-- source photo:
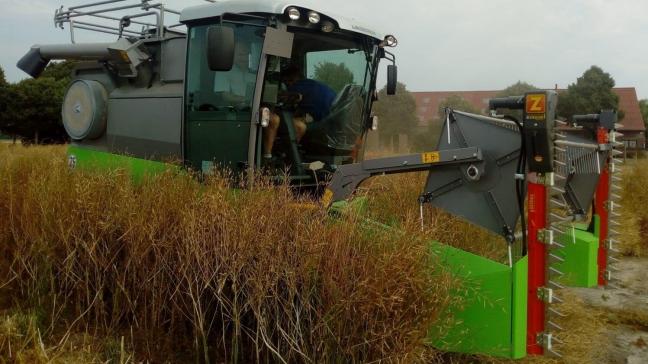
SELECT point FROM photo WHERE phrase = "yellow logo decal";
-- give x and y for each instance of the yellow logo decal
(430, 157)
(536, 103)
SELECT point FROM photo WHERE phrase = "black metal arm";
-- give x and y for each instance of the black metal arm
(347, 177)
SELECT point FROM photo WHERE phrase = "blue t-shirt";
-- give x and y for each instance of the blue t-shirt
(317, 97)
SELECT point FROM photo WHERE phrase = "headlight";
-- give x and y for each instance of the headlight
(313, 17)
(293, 13)
(391, 41)
(327, 26)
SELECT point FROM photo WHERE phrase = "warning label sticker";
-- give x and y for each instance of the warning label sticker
(430, 157)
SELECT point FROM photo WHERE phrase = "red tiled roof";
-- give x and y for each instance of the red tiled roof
(427, 104)
(629, 103)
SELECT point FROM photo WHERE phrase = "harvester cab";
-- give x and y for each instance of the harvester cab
(208, 90)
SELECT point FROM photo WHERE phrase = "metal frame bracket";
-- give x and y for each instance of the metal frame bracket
(545, 294)
(546, 236)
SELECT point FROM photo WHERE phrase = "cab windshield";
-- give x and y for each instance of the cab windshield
(319, 98)
(329, 77)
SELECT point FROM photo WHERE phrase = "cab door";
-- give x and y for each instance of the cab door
(220, 105)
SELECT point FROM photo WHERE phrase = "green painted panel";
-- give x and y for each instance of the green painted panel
(492, 317)
(223, 143)
(597, 225)
(88, 158)
(357, 205)
(520, 302)
(580, 267)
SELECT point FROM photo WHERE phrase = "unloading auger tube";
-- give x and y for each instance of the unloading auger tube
(105, 17)
(470, 175)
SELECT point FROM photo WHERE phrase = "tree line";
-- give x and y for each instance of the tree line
(591, 93)
(30, 110)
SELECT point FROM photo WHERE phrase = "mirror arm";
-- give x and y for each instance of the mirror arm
(389, 56)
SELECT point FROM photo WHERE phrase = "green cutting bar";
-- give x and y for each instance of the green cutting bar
(580, 266)
(491, 316)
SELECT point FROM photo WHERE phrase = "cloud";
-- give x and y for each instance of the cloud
(26, 9)
(447, 44)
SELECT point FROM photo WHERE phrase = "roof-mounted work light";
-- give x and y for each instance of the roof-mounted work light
(327, 26)
(313, 17)
(390, 41)
(293, 13)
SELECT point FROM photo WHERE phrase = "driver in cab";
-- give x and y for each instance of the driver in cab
(314, 100)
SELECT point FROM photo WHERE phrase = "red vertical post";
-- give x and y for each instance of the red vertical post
(537, 220)
(601, 209)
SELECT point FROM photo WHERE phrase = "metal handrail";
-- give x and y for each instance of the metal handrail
(80, 17)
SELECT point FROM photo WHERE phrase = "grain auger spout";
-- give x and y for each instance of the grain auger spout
(124, 56)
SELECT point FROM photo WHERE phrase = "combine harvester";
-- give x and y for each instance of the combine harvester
(206, 92)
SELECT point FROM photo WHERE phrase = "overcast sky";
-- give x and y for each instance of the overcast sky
(443, 44)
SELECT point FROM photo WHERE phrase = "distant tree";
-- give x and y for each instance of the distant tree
(517, 89)
(397, 114)
(59, 70)
(34, 111)
(455, 102)
(3, 80)
(643, 105)
(31, 109)
(336, 76)
(591, 93)
(428, 139)
(4, 100)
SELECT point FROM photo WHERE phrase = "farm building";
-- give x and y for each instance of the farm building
(634, 130)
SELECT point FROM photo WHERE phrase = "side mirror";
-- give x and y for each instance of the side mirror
(220, 48)
(392, 79)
